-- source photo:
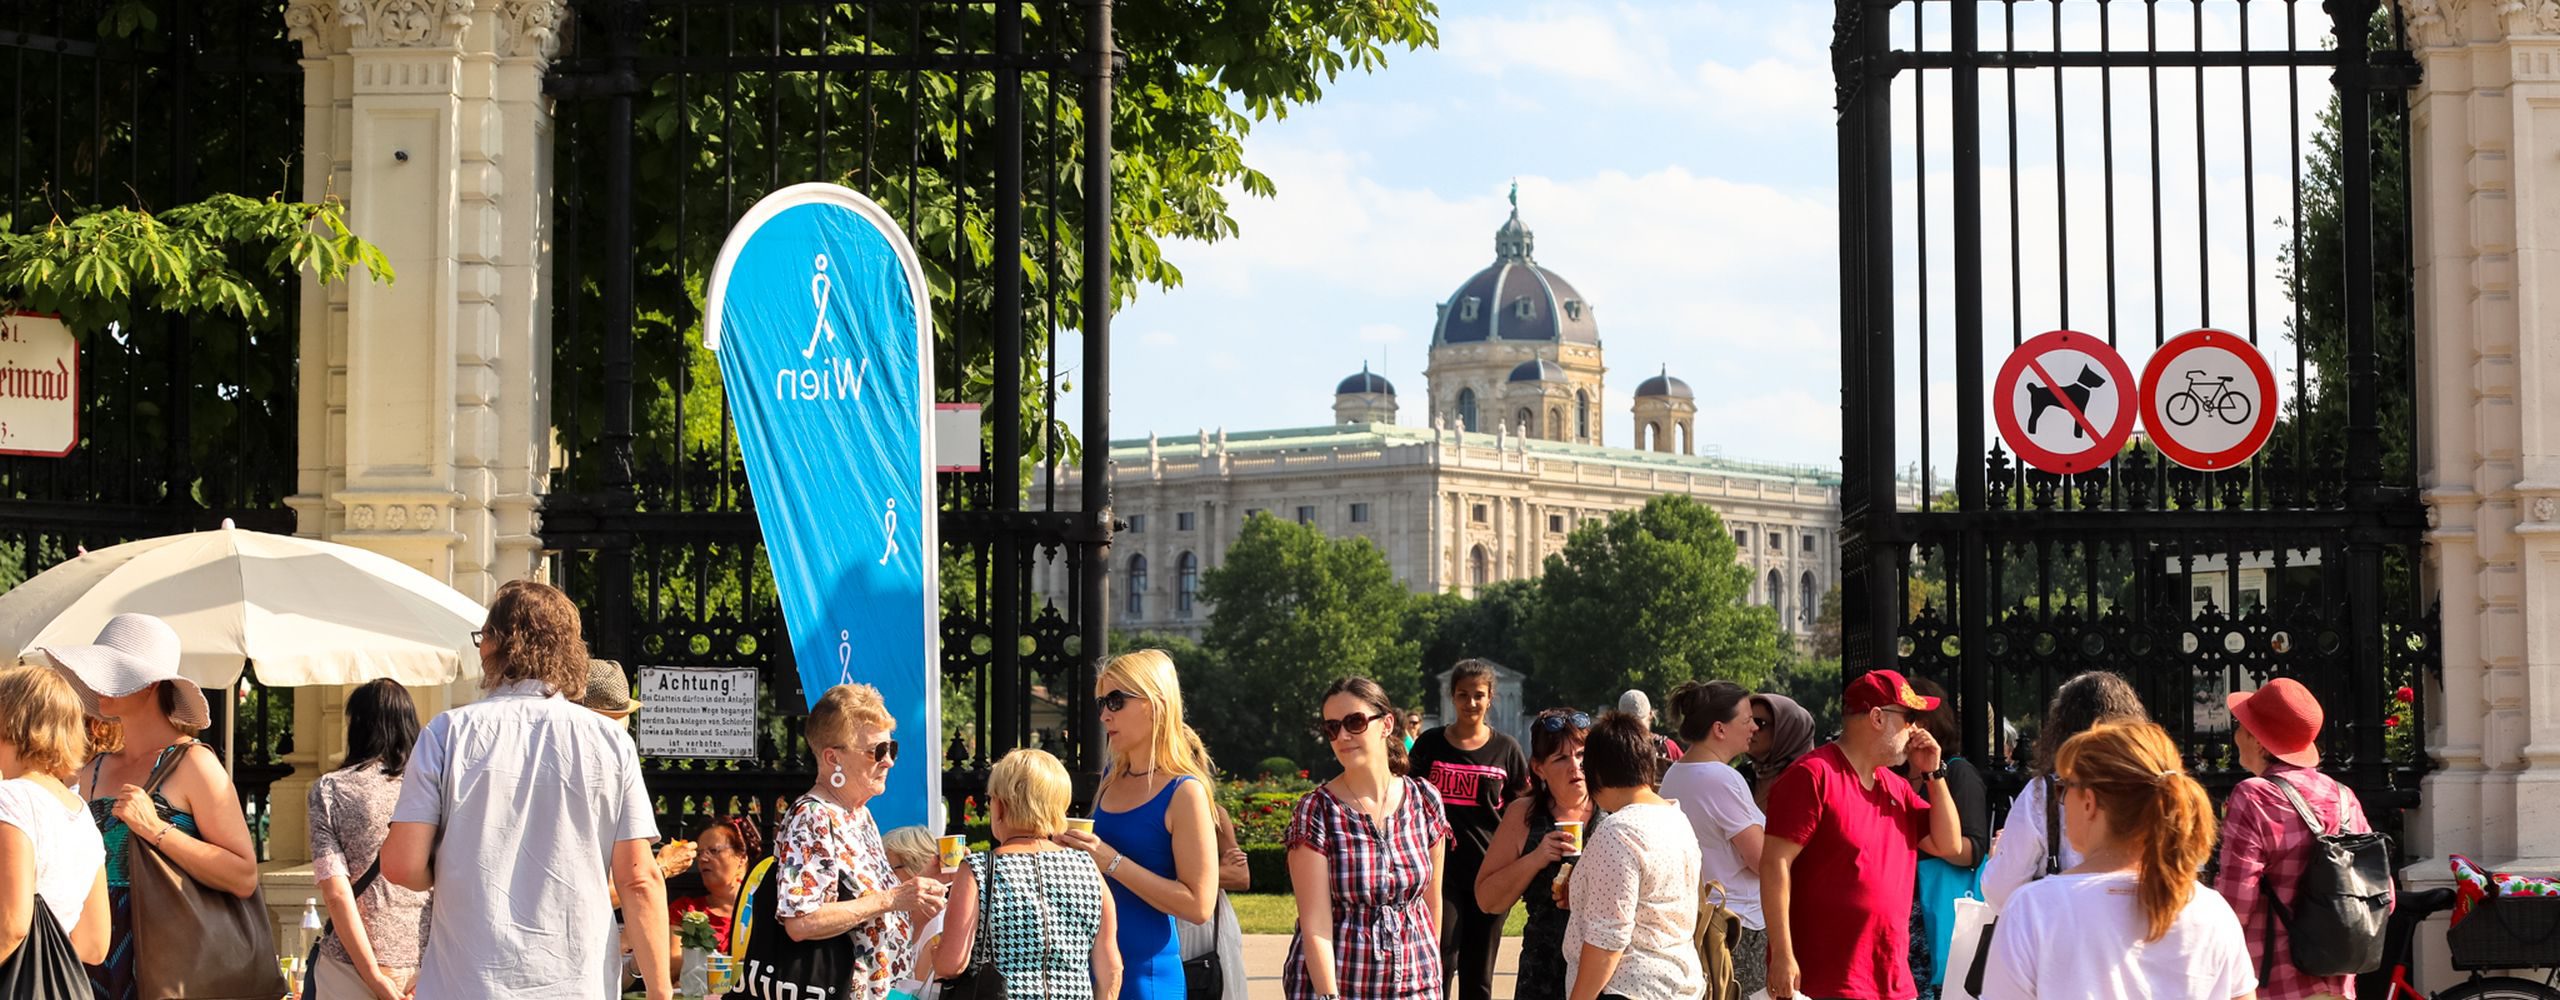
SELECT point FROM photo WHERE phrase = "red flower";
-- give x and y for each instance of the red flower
(2404, 695)
(2391, 722)
(1302, 774)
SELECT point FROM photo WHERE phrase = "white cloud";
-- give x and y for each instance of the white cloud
(1382, 333)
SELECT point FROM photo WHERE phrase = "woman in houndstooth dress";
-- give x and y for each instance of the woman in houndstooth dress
(1048, 923)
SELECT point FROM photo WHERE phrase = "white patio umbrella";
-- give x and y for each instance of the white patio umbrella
(299, 610)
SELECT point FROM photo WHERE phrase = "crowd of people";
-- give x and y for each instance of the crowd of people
(507, 848)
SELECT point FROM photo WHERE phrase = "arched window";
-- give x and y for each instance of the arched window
(1653, 436)
(1581, 415)
(1467, 410)
(1186, 578)
(1807, 602)
(1555, 422)
(1478, 567)
(1524, 421)
(1137, 604)
(1778, 595)
(1687, 446)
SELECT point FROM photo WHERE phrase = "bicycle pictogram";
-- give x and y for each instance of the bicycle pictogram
(2206, 393)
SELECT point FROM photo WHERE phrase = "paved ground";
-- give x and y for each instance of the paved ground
(1265, 953)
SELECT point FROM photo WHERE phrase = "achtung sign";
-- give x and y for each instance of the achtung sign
(39, 387)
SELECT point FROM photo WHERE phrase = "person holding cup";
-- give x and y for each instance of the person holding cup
(1152, 834)
(1048, 922)
(831, 873)
(1537, 835)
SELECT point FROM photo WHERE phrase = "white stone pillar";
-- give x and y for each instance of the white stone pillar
(425, 420)
(2485, 143)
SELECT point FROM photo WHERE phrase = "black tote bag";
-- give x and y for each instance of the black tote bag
(44, 967)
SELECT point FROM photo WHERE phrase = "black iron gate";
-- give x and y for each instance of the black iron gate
(2009, 167)
(184, 422)
(983, 128)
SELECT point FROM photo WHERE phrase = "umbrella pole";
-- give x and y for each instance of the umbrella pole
(230, 728)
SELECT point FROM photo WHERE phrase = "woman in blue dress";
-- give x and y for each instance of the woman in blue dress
(1153, 836)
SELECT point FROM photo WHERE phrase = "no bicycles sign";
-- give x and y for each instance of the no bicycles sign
(2208, 399)
(2064, 401)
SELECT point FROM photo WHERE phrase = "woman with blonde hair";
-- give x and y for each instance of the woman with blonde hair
(1153, 836)
(51, 860)
(148, 779)
(832, 875)
(2130, 922)
(1047, 920)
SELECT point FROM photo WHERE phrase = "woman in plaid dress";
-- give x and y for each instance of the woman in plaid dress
(1365, 853)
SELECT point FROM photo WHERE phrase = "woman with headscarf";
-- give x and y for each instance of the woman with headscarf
(1782, 731)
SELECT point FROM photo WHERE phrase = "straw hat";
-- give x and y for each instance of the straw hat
(608, 692)
(132, 653)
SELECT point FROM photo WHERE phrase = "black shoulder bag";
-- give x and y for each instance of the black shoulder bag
(45, 967)
(772, 965)
(982, 980)
(2052, 866)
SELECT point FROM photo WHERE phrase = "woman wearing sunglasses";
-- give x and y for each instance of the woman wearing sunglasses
(1537, 850)
(832, 875)
(1153, 835)
(1365, 855)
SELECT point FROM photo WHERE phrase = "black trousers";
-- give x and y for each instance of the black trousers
(1469, 937)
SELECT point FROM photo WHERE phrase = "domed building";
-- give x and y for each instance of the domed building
(1508, 459)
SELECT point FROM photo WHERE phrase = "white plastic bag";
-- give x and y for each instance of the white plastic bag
(1974, 919)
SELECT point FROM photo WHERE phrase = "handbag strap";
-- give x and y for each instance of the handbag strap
(2052, 826)
(162, 765)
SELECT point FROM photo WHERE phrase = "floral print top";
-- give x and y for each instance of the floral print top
(827, 853)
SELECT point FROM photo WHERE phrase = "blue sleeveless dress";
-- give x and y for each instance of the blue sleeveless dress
(1150, 951)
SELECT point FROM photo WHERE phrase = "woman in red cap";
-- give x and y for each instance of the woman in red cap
(2265, 844)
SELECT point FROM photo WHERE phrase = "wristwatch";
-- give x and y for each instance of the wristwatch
(1938, 775)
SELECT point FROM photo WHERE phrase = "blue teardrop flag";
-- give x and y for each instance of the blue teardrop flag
(822, 323)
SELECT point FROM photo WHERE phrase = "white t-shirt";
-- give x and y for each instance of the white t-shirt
(2021, 856)
(1636, 892)
(1718, 803)
(2081, 936)
(68, 850)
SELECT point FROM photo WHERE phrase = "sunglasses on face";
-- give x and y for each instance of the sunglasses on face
(1117, 700)
(885, 751)
(1355, 723)
(1557, 723)
(1909, 717)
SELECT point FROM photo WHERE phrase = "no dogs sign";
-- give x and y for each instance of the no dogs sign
(2064, 401)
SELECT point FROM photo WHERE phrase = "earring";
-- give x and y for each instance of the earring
(836, 780)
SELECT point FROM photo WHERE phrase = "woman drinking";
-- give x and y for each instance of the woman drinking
(1153, 836)
(1529, 850)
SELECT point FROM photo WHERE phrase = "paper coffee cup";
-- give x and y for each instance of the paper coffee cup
(1573, 827)
(1080, 824)
(955, 851)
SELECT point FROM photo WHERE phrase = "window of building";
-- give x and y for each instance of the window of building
(1359, 513)
(1807, 602)
(1137, 524)
(1481, 515)
(1573, 308)
(1555, 524)
(1467, 410)
(1467, 310)
(1136, 606)
(1581, 415)
(1777, 542)
(1524, 422)
(1186, 591)
(1778, 595)
(1479, 567)
(1528, 308)
(1742, 539)
(1807, 539)
(1306, 515)
(1249, 512)
(1185, 520)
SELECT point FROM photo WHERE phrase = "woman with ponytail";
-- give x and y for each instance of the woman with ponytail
(1153, 835)
(2130, 922)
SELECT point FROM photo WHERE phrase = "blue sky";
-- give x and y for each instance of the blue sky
(1676, 163)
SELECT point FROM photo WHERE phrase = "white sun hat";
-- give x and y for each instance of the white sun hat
(132, 653)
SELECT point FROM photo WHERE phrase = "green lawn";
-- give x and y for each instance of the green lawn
(1277, 913)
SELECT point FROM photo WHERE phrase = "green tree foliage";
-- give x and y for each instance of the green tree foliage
(1814, 682)
(215, 257)
(1494, 625)
(1648, 599)
(1293, 611)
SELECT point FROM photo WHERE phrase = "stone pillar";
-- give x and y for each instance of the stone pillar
(424, 405)
(2485, 140)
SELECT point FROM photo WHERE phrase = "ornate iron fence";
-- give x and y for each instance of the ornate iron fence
(183, 421)
(984, 129)
(2114, 167)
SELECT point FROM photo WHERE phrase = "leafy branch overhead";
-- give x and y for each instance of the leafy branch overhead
(210, 257)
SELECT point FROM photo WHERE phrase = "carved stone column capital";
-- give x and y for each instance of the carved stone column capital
(531, 29)
(404, 24)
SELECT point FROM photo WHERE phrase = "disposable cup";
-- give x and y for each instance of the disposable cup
(1573, 827)
(955, 851)
(1080, 824)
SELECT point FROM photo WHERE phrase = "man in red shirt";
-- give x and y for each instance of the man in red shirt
(1843, 829)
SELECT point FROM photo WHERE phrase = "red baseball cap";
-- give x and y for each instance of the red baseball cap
(2284, 717)
(1884, 689)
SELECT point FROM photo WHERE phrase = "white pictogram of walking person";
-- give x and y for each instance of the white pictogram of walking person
(818, 284)
(889, 528)
(844, 657)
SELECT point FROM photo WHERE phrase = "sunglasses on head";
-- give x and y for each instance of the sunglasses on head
(1117, 700)
(1355, 723)
(1557, 723)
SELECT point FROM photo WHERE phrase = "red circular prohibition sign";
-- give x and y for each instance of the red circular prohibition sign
(2028, 360)
(2165, 431)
